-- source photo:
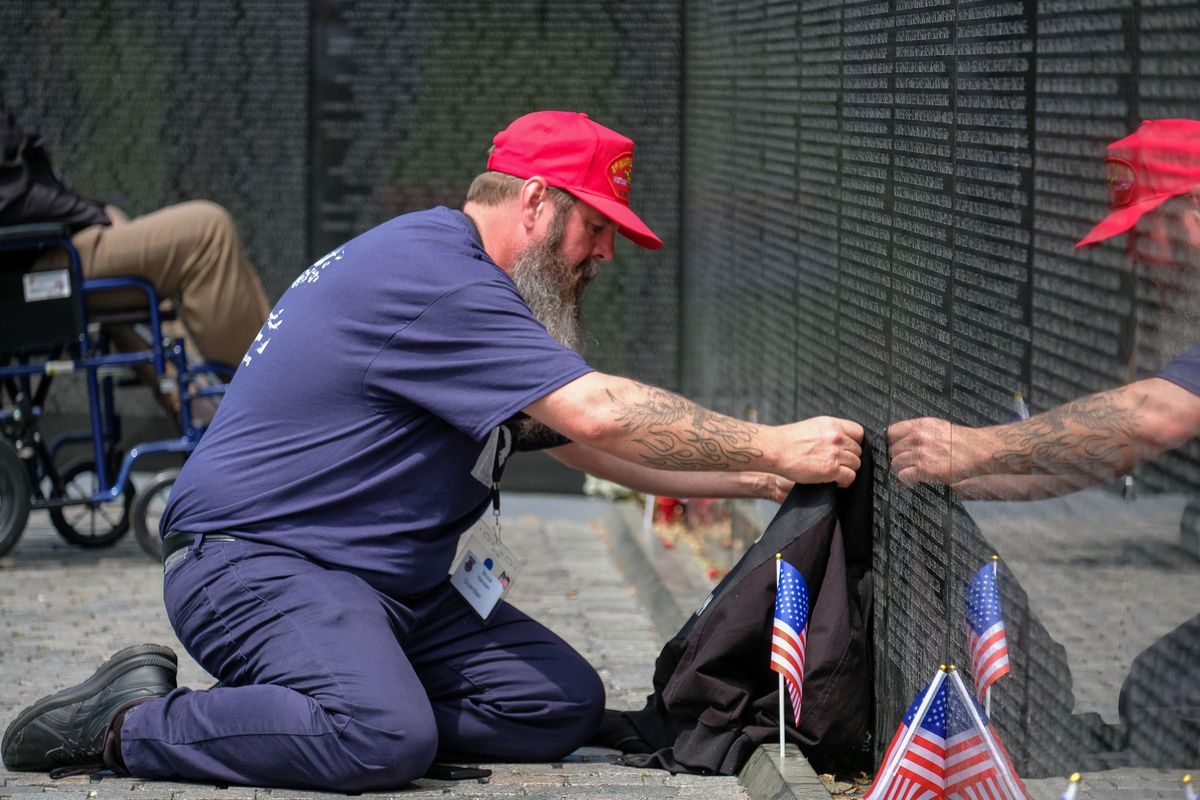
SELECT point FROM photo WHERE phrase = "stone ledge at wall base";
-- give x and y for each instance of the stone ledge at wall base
(672, 585)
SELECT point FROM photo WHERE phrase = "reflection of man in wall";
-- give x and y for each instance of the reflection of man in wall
(1154, 194)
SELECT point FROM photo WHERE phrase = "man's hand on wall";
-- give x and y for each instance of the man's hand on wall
(819, 450)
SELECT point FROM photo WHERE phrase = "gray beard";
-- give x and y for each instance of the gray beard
(553, 289)
(1167, 320)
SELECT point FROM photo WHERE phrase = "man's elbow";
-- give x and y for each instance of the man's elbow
(580, 411)
(592, 429)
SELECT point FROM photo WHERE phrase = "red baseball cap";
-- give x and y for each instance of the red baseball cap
(586, 159)
(1158, 161)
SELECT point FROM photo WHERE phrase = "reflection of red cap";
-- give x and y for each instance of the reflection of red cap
(579, 156)
(1148, 167)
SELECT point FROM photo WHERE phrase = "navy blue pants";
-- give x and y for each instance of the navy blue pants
(329, 684)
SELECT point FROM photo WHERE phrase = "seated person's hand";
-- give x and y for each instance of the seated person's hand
(116, 216)
(775, 488)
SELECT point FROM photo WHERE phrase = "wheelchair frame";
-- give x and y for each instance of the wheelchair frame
(63, 337)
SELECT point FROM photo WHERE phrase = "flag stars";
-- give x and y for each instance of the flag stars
(790, 632)
(983, 600)
(792, 600)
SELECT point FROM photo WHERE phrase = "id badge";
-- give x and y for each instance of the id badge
(484, 569)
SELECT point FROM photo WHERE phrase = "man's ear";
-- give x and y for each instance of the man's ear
(534, 201)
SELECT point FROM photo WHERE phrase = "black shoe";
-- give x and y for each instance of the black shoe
(69, 729)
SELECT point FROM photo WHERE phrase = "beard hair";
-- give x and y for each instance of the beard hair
(1168, 323)
(553, 289)
(552, 286)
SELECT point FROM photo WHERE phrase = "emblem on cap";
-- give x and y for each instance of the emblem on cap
(620, 173)
(1121, 179)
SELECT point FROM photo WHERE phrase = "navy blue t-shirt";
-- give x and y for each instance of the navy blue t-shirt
(352, 427)
(1184, 370)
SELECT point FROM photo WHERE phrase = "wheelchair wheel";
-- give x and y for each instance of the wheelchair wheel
(148, 509)
(14, 497)
(89, 524)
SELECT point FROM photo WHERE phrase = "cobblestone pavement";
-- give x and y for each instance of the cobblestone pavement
(63, 610)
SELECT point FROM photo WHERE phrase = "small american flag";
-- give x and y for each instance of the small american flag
(920, 773)
(951, 754)
(985, 630)
(790, 633)
(972, 773)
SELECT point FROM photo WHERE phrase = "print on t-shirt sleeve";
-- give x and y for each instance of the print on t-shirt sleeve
(311, 275)
(259, 345)
(474, 357)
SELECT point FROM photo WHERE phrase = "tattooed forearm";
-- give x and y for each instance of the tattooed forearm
(1094, 435)
(675, 433)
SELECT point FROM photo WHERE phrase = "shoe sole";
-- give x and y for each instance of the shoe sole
(140, 655)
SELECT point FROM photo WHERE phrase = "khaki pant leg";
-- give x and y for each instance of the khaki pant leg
(190, 251)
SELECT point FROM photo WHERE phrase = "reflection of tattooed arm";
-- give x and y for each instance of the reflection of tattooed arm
(675, 433)
(1088, 441)
(1095, 435)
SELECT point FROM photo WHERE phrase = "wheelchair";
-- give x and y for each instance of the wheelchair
(46, 330)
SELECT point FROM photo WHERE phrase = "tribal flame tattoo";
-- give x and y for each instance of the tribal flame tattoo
(709, 441)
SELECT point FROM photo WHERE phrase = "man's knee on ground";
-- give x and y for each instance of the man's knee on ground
(385, 759)
(582, 718)
(574, 715)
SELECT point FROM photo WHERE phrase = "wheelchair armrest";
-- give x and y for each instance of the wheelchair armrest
(34, 231)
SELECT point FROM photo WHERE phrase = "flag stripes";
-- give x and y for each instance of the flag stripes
(787, 658)
(789, 635)
(977, 765)
(989, 656)
(945, 749)
(986, 641)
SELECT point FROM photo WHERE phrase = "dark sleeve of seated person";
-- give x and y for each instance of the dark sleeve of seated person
(530, 435)
(31, 190)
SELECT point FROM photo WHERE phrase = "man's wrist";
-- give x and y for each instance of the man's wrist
(767, 443)
(972, 452)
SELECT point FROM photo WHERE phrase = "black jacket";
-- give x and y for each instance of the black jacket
(715, 698)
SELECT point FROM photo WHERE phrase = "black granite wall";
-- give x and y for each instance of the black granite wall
(312, 120)
(880, 205)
